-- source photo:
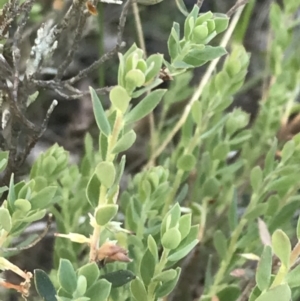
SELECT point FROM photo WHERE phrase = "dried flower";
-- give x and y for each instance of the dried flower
(110, 252)
(22, 288)
(91, 8)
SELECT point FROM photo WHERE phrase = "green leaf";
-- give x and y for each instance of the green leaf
(99, 113)
(281, 247)
(34, 216)
(204, 17)
(283, 291)
(3, 160)
(185, 225)
(43, 198)
(154, 63)
(283, 215)
(270, 159)
(189, 25)
(221, 22)
(120, 169)
(181, 6)
(293, 277)
(138, 290)
(81, 287)
(198, 57)
(5, 219)
(44, 286)
(49, 165)
(165, 276)
(173, 43)
(106, 213)
(106, 173)
(287, 151)
(145, 106)
(220, 243)
(257, 211)
(230, 292)
(208, 273)
(93, 190)
(11, 197)
(183, 251)
(197, 112)
(133, 79)
(103, 143)
(119, 278)
(22, 205)
(119, 98)
(273, 204)
(91, 272)
(298, 228)
(125, 142)
(256, 178)
(200, 33)
(171, 239)
(254, 294)
(186, 162)
(186, 245)
(211, 187)
(182, 194)
(233, 211)
(264, 269)
(221, 151)
(171, 219)
(99, 291)
(147, 267)
(282, 183)
(66, 276)
(187, 132)
(152, 246)
(167, 287)
(150, 86)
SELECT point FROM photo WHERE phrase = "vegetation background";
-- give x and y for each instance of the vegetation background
(73, 118)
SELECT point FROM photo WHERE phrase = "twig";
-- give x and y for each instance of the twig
(100, 91)
(83, 73)
(20, 116)
(78, 33)
(16, 52)
(107, 56)
(235, 7)
(58, 86)
(38, 239)
(48, 114)
(199, 3)
(246, 291)
(138, 25)
(122, 22)
(75, 7)
(198, 91)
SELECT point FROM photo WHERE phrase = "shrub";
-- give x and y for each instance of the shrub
(221, 181)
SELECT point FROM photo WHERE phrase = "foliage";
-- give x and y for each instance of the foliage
(195, 193)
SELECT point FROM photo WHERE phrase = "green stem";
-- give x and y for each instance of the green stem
(230, 252)
(232, 247)
(175, 188)
(180, 172)
(158, 269)
(3, 237)
(279, 278)
(112, 140)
